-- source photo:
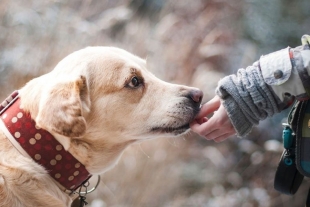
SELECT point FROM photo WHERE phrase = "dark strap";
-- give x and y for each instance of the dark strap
(288, 178)
(308, 199)
(303, 139)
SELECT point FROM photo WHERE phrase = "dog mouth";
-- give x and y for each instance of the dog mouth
(171, 130)
(179, 124)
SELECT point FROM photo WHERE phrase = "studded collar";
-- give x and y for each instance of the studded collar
(40, 145)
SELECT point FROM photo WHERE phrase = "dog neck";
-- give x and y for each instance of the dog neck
(40, 145)
(98, 151)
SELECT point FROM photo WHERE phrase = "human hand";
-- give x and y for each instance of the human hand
(218, 127)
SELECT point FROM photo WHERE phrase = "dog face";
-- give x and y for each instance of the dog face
(99, 100)
(135, 104)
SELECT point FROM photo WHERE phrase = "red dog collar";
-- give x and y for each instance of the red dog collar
(40, 145)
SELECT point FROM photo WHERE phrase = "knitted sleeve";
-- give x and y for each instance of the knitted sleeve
(247, 99)
(266, 87)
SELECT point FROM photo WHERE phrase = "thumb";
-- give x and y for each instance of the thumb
(209, 107)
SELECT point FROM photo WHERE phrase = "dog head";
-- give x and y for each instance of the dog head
(100, 99)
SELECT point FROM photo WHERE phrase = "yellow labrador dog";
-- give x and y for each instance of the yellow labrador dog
(74, 122)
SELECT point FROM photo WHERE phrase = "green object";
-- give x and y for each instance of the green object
(305, 166)
(288, 161)
(287, 137)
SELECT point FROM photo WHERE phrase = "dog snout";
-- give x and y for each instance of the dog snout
(196, 95)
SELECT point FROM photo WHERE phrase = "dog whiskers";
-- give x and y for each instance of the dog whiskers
(174, 142)
(144, 151)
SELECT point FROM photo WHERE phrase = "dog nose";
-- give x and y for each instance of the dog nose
(196, 95)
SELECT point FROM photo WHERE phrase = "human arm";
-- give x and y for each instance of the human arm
(257, 92)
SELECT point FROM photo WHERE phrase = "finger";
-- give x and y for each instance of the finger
(202, 129)
(215, 134)
(196, 127)
(202, 120)
(213, 124)
(223, 137)
(209, 107)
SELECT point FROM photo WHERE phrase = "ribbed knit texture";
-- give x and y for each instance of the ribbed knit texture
(247, 99)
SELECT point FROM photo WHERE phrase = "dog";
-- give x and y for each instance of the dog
(94, 104)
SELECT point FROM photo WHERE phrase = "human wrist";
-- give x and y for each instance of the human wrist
(239, 121)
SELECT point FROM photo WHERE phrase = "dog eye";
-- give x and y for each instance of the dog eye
(135, 82)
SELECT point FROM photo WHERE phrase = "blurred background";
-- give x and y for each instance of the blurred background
(187, 42)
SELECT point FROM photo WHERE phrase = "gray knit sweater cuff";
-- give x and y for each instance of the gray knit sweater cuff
(240, 122)
(247, 99)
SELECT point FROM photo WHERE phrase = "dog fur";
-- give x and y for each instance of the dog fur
(96, 102)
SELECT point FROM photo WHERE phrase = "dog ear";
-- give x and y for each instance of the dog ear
(63, 107)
